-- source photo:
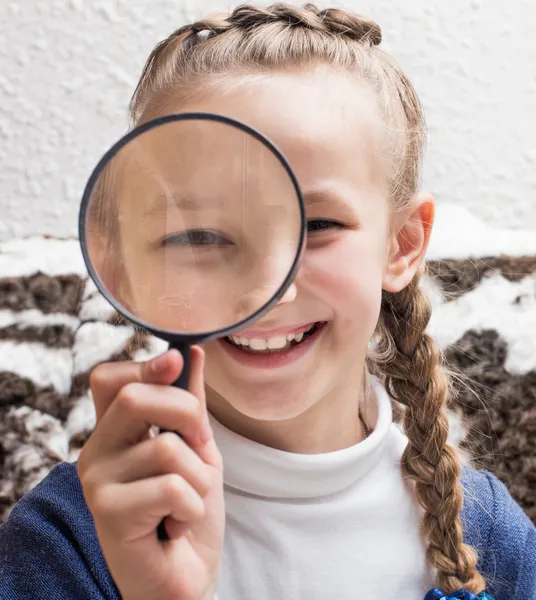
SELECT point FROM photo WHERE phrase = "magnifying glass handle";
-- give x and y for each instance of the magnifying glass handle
(180, 382)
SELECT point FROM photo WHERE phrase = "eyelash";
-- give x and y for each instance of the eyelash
(195, 238)
(211, 238)
(330, 225)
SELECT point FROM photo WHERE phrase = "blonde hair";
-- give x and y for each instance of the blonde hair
(253, 40)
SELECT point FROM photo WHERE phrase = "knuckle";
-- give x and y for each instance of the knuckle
(191, 407)
(170, 453)
(197, 510)
(167, 447)
(185, 498)
(204, 480)
(129, 396)
(174, 486)
(99, 376)
(187, 410)
(89, 478)
(104, 501)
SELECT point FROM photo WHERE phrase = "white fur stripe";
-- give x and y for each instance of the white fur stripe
(44, 428)
(458, 233)
(156, 347)
(505, 306)
(82, 416)
(96, 342)
(96, 308)
(35, 318)
(43, 366)
(50, 256)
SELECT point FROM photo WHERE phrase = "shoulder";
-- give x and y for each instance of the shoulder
(53, 518)
(503, 535)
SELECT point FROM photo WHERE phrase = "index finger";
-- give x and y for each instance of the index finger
(107, 379)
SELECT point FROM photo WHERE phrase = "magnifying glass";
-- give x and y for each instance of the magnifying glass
(192, 226)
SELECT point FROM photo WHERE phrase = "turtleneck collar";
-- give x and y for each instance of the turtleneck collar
(262, 471)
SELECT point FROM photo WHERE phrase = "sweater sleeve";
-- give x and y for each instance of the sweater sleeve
(504, 537)
(515, 535)
(49, 547)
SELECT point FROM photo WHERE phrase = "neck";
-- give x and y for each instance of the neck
(331, 424)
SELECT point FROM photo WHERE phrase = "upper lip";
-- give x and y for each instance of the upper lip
(263, 334)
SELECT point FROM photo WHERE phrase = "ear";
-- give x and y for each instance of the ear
(409, 241)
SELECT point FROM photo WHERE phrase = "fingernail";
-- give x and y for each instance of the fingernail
(158, 364)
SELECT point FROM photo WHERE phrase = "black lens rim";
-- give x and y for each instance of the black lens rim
(201, 337)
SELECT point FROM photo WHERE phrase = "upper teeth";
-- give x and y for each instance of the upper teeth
(272, 343)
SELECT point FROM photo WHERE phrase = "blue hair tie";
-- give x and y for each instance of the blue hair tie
(436, 594)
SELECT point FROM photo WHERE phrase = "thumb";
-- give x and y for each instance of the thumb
(196, 379)
(208, 451)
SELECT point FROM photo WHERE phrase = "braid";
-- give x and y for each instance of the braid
(330, 21)
(415, 378)
(192, 48)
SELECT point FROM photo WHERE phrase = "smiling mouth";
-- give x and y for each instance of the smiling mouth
(273, 345)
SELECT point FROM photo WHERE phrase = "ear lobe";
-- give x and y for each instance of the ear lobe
(409, 242)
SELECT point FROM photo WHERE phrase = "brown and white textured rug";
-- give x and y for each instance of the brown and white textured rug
(55, 327)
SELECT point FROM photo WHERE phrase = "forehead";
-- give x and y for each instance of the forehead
(198, 165)
(325, 121)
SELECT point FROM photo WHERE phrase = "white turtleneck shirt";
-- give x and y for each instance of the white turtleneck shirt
(337, 526)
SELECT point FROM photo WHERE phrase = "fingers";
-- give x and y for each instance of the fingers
(107, 379)
(130, 398)
(167, 453)
(130, 510)
(140, 405)
(208, 451)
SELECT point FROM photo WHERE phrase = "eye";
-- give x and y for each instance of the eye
(319, 225)
(195, 237)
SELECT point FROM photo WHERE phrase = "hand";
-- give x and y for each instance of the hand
(132, 479)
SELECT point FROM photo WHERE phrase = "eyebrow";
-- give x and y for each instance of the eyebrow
(161, 204)
(332, 199)
(317, 197)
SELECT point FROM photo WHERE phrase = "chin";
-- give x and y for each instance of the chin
(276, 401)
(273, 407)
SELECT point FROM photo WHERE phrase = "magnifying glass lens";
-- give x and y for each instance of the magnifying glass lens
(192, 226)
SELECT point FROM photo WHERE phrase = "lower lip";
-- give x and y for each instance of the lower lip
(275, 359)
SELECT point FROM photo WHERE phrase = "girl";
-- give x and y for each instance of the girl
(322, 495)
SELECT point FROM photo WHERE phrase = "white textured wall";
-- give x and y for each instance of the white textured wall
(68, 67)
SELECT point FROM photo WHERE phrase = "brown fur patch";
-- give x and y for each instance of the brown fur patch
(457, 277)
(49, 294)
(500, 409)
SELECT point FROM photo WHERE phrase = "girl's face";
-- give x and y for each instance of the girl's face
(327, 125)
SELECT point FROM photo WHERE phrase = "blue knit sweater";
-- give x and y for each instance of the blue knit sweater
(49, 548)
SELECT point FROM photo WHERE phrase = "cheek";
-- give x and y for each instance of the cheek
(347, 275)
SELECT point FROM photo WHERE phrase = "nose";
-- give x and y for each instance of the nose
(264, 281)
